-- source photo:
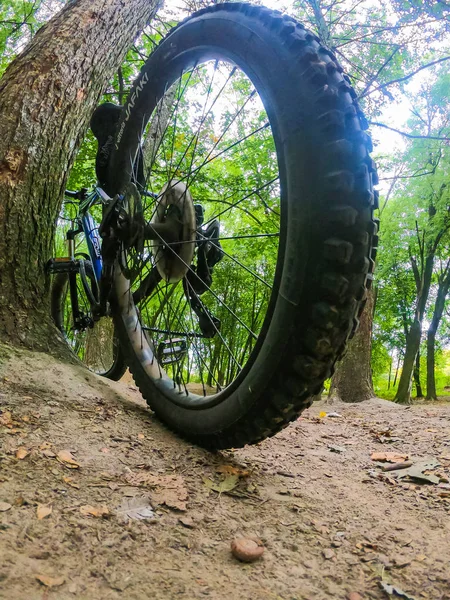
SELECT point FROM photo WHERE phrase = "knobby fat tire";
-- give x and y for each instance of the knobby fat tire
(330, 242)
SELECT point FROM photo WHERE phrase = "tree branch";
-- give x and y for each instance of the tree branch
(406, 176)
(375, 75)
(406, 77)
(410, 135)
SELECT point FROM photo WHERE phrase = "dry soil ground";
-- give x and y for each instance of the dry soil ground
(82, 458)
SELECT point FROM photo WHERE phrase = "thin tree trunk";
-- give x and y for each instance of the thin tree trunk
(390, 373)
(444, 285)
(352, 381)
(47, 95)
(419, 392)
(396, 372)
(431, 379)
(403, 395)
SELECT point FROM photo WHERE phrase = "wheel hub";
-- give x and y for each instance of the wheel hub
(173, 258)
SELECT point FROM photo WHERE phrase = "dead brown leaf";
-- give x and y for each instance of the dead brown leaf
(6, 419)
(70, 481)
(43, 510)
(166, 489)
(50, 581)
(21, 453)
(48, 453)
(393, 457)
(67, 459)
(231, 470)
(94, 511)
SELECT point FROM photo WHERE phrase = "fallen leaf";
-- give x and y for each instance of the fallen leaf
(70, 481)
(187, 522)
(43, 510)
(48, 453)
(94, 511)
(50, 581)
(4, 506)
(6, 419)
(417, 471)
(137, 508)
(393, 457)
(395, 591)
(231, 470)
(67, 459)
(21, 453)
(338, 449)
(168, 490)
(228, 484)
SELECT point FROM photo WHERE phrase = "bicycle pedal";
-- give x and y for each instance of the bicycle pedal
(171, 351)
(62, 265)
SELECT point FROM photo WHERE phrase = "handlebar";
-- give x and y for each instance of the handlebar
(80, 195)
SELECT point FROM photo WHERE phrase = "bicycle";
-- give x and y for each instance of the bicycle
(238, 236)
(75, 293)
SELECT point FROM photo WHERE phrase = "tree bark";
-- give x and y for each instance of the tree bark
(416, 375)
(444, 285)
(352, 381)
(47, 95)
(403, 395)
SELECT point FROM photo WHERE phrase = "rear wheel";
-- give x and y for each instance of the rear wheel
(246, 302)
(94, 343)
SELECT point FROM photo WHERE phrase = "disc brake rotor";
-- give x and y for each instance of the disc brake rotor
(173, 260)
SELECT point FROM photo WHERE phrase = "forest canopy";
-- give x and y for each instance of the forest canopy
(397, 54)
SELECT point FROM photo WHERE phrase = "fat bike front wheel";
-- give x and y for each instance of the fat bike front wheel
(246, 147)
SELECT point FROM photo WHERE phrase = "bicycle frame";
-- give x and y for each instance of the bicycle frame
(90, 230)
(84, 223)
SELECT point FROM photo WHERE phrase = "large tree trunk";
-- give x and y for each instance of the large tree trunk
(352, 381)
(439, 306)
(46, 98)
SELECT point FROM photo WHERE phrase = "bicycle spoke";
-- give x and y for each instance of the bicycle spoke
(205, 128)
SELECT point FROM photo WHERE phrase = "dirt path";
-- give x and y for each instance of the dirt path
(332, 523)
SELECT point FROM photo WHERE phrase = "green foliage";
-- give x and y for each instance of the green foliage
(377, 43)
(19, 21)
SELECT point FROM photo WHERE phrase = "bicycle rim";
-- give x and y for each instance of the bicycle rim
(209, 131)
